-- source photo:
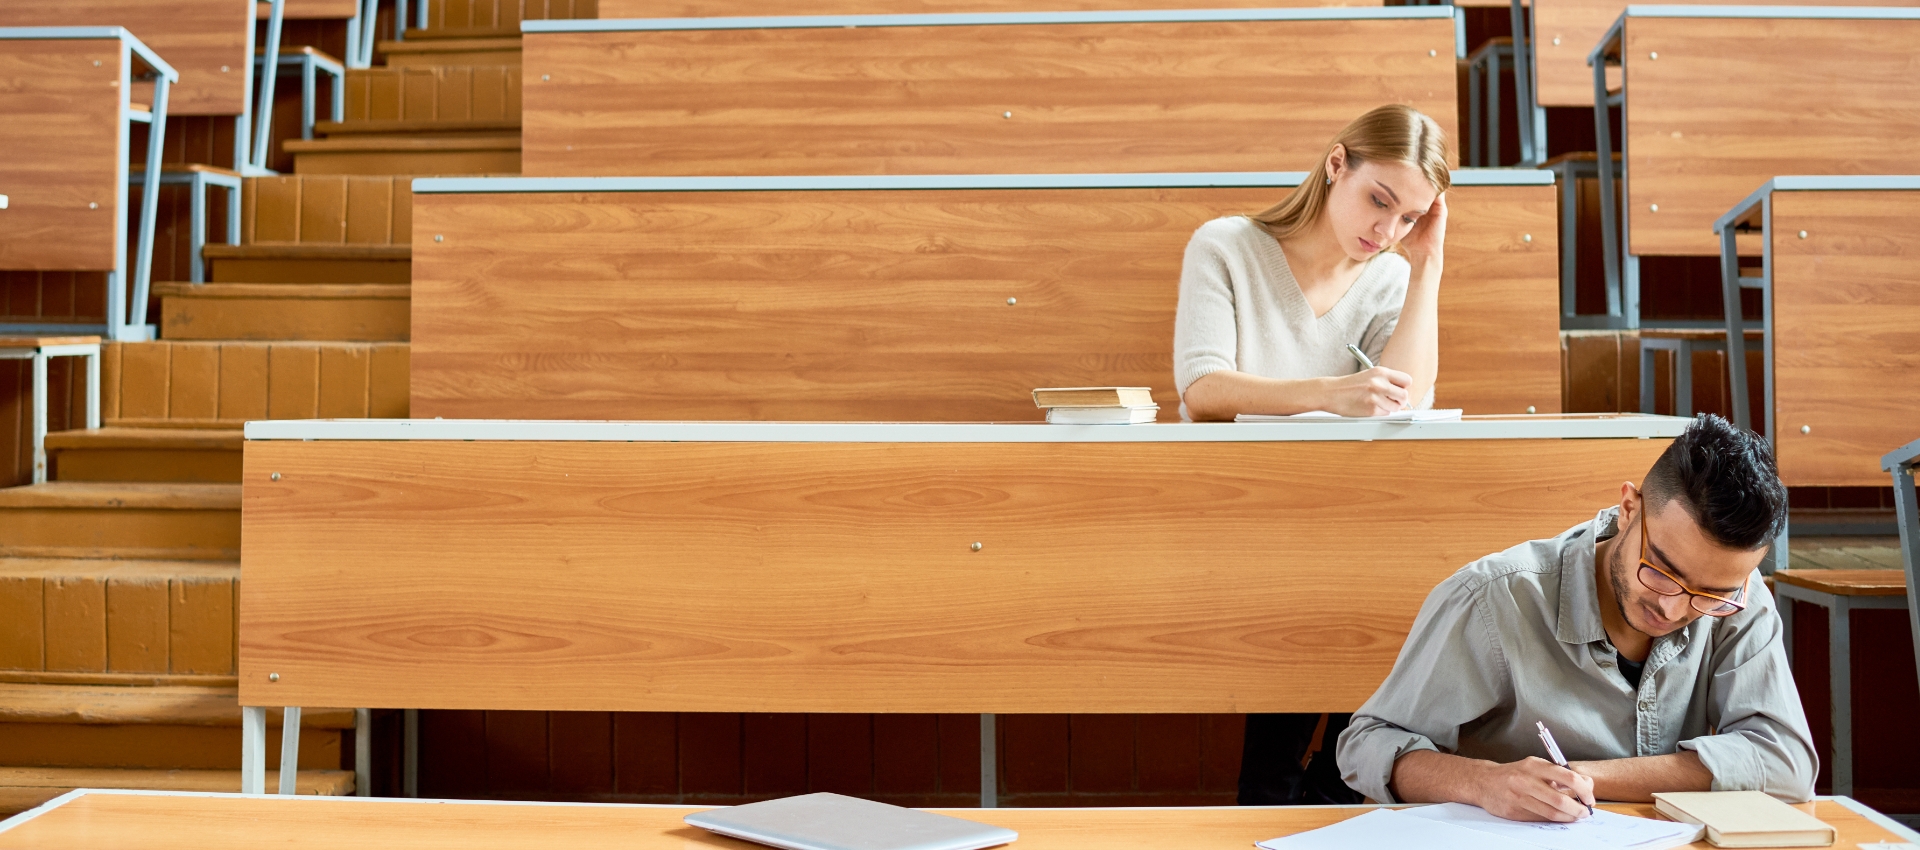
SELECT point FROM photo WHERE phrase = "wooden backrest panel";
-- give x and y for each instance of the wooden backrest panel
(1846, 323)
(887, 305)
(838, 577)
(60, 131)
(327, 209)
(1569, 29)
(612, 9)
(1704, 121)
(197, 37)
(1136, 97)
(434, 93)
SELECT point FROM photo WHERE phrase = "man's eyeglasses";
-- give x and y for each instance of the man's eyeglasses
(1662, 582)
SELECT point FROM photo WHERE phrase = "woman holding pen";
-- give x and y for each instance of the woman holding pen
(1269, 302)
(1327, 301)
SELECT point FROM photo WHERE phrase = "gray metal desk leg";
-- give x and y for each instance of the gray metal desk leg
(1569, 240)
(197, 227)
(290, 751)
(363, 752)
(989, 769)
(39, 416)
(1647, 399)
(307, 82)
(1906, 509)
(1493, 107)
(410, 753)
(1840, 660)
(1610, 235)
(253, 749)
(93, 388)
(1474, 118)
(1736, 328)
(1683, 379)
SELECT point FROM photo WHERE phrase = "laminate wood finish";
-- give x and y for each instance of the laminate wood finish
(1133, 97)
(871, 305)
(205, 40)
(615, 9)
(441, 93)
(1846, 324)
(839, 577)
(1703, 126)
(63, 144)
(153, 822)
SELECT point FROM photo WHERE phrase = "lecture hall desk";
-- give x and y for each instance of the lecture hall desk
(135, 820)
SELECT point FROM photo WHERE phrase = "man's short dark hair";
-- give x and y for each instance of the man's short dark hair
(1726, 480)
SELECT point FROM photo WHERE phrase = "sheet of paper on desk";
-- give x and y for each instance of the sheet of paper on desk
(1442, 415)
(1604, 831)
(1389, 828)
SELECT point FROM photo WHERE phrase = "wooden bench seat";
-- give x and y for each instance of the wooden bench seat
(1847, 582)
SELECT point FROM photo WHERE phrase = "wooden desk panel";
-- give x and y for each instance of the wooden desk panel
(61, 137)
(887, 305)
(1702, 133)
(1569, 29)
(197, 37)
(1136, 97)
(1846, 326)
(615, 9)
(154, 822)
(838, 577)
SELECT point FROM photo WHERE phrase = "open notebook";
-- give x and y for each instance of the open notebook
(1323, 416)
(1454, 826)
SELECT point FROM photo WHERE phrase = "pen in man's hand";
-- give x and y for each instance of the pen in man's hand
(1553, 750)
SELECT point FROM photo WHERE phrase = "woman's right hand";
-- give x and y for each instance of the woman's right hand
(1372, 392)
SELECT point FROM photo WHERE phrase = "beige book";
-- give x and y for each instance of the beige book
(1745, 819)
(1093, 397)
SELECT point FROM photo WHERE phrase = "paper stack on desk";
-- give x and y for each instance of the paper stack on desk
(1440, 415)
(1456, 826)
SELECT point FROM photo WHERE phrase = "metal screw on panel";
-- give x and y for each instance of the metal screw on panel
(1653, 54)
(1526, 237)
(1012, 301)
(1433, 53)
(1803, 234)
(275, 476)
(439, 238)
(545, 77)
(1530, 408)
(223, 69)
(92, 206)
(96, 64)
(1006, 115)
(1556, 41)
(1654, 207)
(273, 677)
(1806, 429)
(975, 547)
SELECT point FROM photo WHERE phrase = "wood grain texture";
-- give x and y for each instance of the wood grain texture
(199, 38)
(219, 823)
(612, 9)
(1569, 29)
(357, 210)
(1846, 321)
(821, 577)
(1703, 121)
(887, 305)
(61, 135)
(438, 93)
(1238, 96)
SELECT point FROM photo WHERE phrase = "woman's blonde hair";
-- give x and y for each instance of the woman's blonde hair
(1391, 133)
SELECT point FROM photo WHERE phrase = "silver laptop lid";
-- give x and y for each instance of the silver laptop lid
(835, 822)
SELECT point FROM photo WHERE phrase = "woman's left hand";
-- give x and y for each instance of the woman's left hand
(1424, 243)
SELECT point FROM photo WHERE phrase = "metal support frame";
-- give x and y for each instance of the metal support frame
(1483, 102)
(1839, 660)
(410, 753)
(289, 750)
(1906, 510)
(1623, 278)
(363, 752)
(40, 355)
(263, 113)
(311, 63)
(1755, 213)
(198, 182)
(1526, 85)
(253, 749)
(989, 763)
(1682, 351)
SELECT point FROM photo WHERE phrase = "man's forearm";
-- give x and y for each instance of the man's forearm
(1636, 780)
(1426, 776)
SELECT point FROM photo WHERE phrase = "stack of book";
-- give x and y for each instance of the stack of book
(1097, 405)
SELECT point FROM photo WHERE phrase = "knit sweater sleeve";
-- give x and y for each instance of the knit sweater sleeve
(1205, 332)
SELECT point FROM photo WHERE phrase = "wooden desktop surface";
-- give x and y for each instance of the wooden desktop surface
(205, 40)
(154, 822)
(1846, 324)
(889, 305)
(1703, 124)
(985, 99)
(61, 138)
(1169, 577)
(611, 9)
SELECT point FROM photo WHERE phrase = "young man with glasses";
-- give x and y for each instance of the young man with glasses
(1642, 638)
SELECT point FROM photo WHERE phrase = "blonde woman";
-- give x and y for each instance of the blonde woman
(1269, 302)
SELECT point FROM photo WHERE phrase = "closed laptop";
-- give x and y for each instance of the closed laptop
(835, 822)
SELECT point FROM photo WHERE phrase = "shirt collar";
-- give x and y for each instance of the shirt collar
(1579, 599)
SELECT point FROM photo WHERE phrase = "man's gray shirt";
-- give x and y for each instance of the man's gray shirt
(1516, 637)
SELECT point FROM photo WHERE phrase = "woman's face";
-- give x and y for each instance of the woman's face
(1373, 205)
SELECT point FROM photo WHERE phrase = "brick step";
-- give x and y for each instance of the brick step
(310, 262)
(90, 519)
(117, 621)
(418, 52)
(181, 455)
(344, 312)
(22, 788)
(408, 154)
